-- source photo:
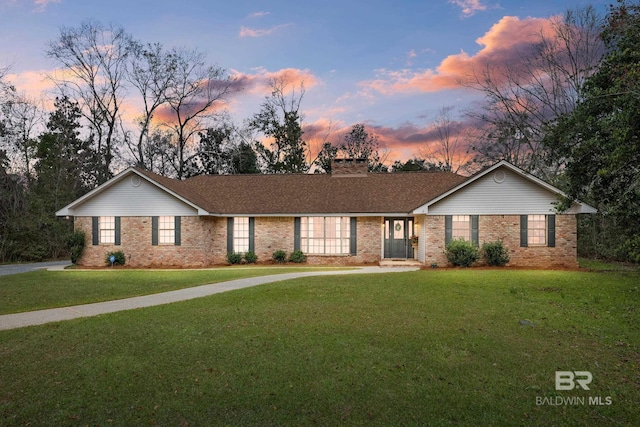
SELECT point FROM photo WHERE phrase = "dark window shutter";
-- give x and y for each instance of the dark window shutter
(551, 231)
(177, 232)
(474, 230)
(524, 232)
(95, 237)
(230, 234)
(353, 243)
(154, 230)
(448, 229)
(296, 233)
(252, 229)
(117, 231)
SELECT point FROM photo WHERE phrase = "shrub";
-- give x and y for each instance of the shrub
(495, 253)
(234, 258)
(632, 249)
(298, 257)
(251, 257)
(462, 253)
(76, 242)
(279, 256)
(118, 258)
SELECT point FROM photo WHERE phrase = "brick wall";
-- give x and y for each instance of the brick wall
(136, 244)
(204, 242)
(507, 228)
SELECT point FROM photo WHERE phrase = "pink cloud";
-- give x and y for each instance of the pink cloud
(399, 143)
(259, 82)
(469, 7)
(33, 84)
(257, 32)
(501, 47)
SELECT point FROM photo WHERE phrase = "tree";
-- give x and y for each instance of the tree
(356, 144)
(213, 155)
(599, 141)
(327, 154)
(243, 159)
(547, 82)
(279, 119)
(94, 58)
(192, 95)
(151, 70)
(63, 170)
(64, 159)
(448, 149)
(21, 119)
(12, 209)
(415, 165)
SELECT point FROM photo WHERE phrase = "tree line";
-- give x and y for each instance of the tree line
(566, 113)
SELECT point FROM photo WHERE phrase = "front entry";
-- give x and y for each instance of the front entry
(397, 238)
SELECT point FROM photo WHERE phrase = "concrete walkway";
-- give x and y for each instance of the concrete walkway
(20, 320)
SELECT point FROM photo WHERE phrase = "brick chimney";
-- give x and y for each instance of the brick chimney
(349, 167)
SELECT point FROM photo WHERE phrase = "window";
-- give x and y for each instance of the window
(166, 230)
(537, 230)
(325, 235)
(241, 234)
(460, 227)
(107, 230)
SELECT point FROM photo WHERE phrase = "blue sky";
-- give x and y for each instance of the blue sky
(389, 64)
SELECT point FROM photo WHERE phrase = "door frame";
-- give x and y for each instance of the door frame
(409, 225)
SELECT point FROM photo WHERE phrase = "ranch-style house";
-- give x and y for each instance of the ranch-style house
(347, 217)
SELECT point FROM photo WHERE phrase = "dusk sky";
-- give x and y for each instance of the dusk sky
(391, 65)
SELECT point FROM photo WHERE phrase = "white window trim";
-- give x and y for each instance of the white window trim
(342, 239)
(531, 219)
(461, 219)
(107, 225)
(241, 243)
(166, 230)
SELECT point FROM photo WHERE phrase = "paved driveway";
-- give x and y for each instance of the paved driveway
(25, 268)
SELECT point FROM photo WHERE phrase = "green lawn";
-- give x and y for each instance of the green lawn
(441, 347)
(49, 289)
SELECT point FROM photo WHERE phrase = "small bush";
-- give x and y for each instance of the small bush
(119, 258)
(279, 257)
(297, 257)
(251, 257)
(495, 253)
(234, 258)
(632, 249)
(76, 242)
(461, 253)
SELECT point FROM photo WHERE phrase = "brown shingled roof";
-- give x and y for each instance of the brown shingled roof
(311, 194)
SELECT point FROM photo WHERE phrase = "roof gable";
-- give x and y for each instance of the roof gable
(501, 189)
(131, 193)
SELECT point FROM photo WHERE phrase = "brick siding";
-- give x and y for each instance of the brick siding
(507, 228)
(204, 243)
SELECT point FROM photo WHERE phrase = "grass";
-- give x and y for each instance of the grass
(49, 289)
(443, 347)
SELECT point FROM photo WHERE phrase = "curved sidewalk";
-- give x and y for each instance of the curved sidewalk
(31, 318)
